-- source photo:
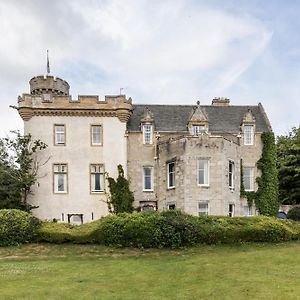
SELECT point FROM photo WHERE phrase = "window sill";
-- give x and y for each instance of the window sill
(204, 186)
(171, 188)
(60, 145)
(148, 191)
(97, 192)
(60, 193)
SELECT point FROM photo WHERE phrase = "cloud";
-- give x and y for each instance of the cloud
(160, 51)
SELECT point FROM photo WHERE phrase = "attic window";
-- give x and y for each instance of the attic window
(147, 134)
(197, 129)
(248, 134)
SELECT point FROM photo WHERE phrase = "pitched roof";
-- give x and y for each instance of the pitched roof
(220, 118)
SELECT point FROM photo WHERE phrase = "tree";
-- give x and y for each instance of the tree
(121, 198)
(19, 167)
(288, 164)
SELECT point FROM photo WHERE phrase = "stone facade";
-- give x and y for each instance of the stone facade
(186, 157)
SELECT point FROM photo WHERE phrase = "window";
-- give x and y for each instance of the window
(248, 178)
(59, 135)
(97, 178)
(248, 134)
(203, 172)
(96, 135)
(231, 210)
(147, 134)
(171, 206)
(231, 175)
(148, 179)
(196, 129)
(171, 175)
(202, 208)
(60, 178)
(248, 211)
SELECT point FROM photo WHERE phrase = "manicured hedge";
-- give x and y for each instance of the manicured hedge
(171, 229)
(17, 227)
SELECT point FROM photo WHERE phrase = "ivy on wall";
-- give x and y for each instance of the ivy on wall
(120, 198)
(266, 196)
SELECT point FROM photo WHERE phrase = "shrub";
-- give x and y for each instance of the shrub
(129, 230)
(294, 213)
(17, 227)
(170, 229)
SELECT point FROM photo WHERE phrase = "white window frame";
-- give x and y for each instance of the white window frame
(171, 204)
(59, 134)
(249, 177)
(203, 211)
(231, 213)
(171, 173)
(197, 129)
(248, 134)
(60, 172)
(94, 141)
(231, 174)
(147, 134)
(248, 212)
(145, 189)
(96, 170)
(206, 172)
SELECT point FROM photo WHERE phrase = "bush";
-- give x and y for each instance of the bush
(170, 229)
(17, 227)
(294, 213)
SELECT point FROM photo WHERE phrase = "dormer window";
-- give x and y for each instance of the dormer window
(197, 129)
(248, 134)
(147, 134)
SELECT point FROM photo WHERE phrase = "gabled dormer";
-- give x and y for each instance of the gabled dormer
(147, 127)
(248, 128)
(198, 121)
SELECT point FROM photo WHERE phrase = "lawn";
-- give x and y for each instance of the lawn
(42, 271)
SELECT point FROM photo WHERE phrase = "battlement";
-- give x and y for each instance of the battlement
(48, 85)
(86, 105)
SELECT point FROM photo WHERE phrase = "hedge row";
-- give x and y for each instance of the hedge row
(170, 229)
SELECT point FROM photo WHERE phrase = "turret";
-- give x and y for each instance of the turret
(48, 85)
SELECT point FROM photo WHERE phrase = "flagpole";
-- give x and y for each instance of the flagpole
(48, 64)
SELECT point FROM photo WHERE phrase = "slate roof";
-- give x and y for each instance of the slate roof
(225, 119)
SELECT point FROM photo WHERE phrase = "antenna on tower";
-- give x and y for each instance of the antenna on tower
(48, 64)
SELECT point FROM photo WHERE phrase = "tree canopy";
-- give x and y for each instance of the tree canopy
(288, 164)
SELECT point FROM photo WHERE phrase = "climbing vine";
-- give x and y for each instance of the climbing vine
(120, 198)
(266, 196)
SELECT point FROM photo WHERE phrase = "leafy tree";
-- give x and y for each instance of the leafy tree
(121, 198)
(288, 153)
(19, 167)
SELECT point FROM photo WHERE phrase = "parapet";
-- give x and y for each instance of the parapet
(48, 85)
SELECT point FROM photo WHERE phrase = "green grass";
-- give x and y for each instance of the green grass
(256, 271)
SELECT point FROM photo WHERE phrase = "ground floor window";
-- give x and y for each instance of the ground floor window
(60, 174)
(248, 211)
(202, 208)
(97, 178)
(171, 206)
(231, 210)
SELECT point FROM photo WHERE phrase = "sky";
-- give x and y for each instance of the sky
(157, 51)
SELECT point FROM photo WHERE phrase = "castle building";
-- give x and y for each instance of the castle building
(175, 156)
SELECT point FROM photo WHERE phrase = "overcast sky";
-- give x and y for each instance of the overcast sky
(159, 51)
